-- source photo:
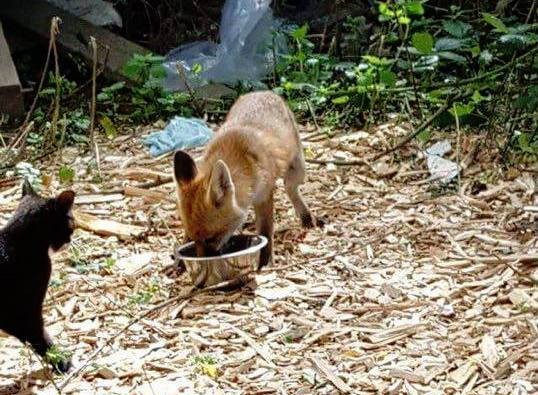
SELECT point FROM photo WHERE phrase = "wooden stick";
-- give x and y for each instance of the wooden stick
(54, 30)
(93, 45)
(107, 227)
(324, 368)
(358, 162)
(458, 154)
(250, 341)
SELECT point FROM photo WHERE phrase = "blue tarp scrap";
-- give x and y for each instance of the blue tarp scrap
(180, 133)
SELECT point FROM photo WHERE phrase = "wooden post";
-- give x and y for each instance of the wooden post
(75, 33)
(11, 100)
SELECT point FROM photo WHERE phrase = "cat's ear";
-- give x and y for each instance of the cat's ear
(65, 200)
(27, 189)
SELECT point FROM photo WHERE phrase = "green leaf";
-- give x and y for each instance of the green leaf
(66, 174)
(526, 145)
(456, 28)
(155, 59)
(103, 96)
(375, 61)
(414, 8)
(517, 39)
(300, 33)
(197, 68)
(461, 109)
(386, 11)
(340, 100)
(47, 92)
(486, 56)
(424, 136)
(388, 78)
(157, 71)
(477, 97)
(115, 87)
(108, 126)
(448, 44)
(495, 22)
(404, 20)
(423, 42)
(452, 56)
(132, 69)
(475, 51)
(529, 101)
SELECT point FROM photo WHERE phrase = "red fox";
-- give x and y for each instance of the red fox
(258, 143)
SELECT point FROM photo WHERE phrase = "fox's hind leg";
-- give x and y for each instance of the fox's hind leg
(264, 226)
(293, 178)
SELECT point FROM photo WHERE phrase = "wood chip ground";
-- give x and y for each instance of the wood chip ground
(406, 289)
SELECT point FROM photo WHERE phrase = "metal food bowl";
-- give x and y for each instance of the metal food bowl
(240, 255)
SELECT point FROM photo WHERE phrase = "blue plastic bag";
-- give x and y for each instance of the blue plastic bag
(180, 133)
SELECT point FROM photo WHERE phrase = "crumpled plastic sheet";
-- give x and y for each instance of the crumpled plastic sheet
(246, 51)
(441, 169)
(180, 133)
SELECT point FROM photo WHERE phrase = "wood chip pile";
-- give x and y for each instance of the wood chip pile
(408, 288)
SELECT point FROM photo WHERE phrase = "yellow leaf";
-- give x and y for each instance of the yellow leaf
(209, 370)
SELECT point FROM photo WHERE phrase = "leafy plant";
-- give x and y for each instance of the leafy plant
(145, 69)
(207, 364)
(422, 58)
(55, 356)
(30, 173)
(66, 174)
(146, 295)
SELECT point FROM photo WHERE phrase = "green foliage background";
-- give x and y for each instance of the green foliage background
(409, 59)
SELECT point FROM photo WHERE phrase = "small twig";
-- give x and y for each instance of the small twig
(57, 91)
(337, 162)
(324, 367)
(515, 269)
(99, 72)
(197, 105)
(458, 145)
(45, 367)
(54, 31)
(312, 114)
(412, 72)
(21, 139)
(531, 12)
(420, 128)
(93, 142)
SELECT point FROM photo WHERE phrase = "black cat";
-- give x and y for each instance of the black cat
(39, 224)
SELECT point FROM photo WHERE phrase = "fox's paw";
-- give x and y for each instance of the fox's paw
(175, 269)
(309, 221)
(265, 260)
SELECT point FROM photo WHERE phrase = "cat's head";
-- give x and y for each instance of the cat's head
(51, 218)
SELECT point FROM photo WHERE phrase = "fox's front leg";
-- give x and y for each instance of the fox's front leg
(264, 226)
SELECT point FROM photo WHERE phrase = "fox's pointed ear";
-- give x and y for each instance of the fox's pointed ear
(222, 186)
(184, 167)
(65, 200)
(27, 189)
